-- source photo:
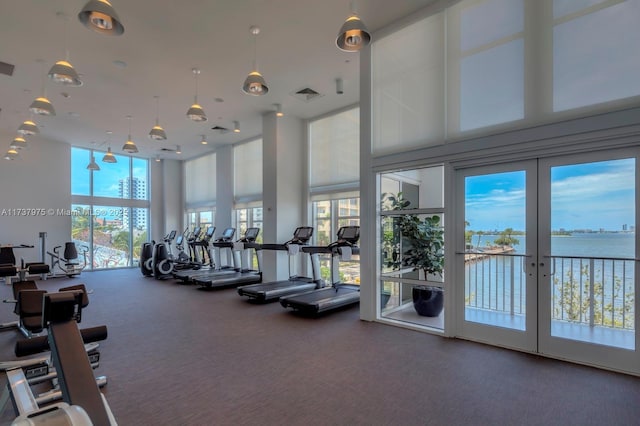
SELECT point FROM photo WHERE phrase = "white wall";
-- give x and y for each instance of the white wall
(40, 179)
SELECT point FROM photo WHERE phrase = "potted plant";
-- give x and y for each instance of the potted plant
(421, 247)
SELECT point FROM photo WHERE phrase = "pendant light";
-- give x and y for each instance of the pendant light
(130, 146)
(157, 158)
(93, 165)
(353, 34)
(28, 128)
(254, 84)
(157, 132)
(109, 157)
(18, 143)
(236, 127)
(62, 71)
(279, 112)
(203, 140)
(99, 16)
(42, 105)
(11, 154)
(178, 150)
(195, 112)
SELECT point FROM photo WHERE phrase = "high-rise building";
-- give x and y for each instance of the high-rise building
(136, 189)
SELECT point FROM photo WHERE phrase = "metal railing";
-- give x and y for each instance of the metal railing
(584, 290)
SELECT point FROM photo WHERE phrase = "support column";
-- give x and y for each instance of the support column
(284, 198)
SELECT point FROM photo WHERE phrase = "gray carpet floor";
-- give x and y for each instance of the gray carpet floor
(177, 355)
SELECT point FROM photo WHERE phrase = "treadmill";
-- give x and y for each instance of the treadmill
(271, 291)
(241, 255)
(197, 263)
(339, 294)
(216, 268)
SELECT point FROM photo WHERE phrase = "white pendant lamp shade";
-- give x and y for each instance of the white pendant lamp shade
(255, 85)
(28, 128)
(279, 112)
(109, 157)
(353, 35)
(93, 165)
(11, 154)
(63, 72)
(236, 127)
(203, 141)
(42, 106)
(130, 146)
(157, 133)
(18, 143)
(195, 112)
(99, 16)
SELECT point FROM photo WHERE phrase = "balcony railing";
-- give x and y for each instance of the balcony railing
(584, 290)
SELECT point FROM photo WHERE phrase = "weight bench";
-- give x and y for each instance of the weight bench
(28, 306)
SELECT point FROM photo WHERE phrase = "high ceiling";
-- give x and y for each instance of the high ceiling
(162, 42)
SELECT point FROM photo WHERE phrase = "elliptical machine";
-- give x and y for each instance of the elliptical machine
(161, 264)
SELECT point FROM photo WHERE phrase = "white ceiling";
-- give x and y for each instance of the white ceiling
(162, 42)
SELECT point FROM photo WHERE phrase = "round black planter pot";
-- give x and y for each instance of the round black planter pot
(428, 301)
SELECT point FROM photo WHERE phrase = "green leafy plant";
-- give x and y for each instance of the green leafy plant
(421, 240)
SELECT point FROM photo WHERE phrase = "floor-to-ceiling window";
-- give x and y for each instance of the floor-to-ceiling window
(247, 186)
(110, 207)
(333, 180)
(200, 193)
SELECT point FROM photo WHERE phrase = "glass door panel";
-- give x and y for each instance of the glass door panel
(588, 264)
(499, 281)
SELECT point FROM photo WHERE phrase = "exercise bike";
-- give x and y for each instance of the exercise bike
(68, 262)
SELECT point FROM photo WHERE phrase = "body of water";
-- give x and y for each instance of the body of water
(621, 245)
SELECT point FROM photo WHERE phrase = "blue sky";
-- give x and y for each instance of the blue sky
(583, 196)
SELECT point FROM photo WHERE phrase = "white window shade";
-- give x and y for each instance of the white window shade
(247, 172)
(408, 90)
(200, 181)
(334, 151)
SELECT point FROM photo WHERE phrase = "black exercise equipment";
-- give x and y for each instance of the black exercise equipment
(216, 269)
(68, 262)
(74, 373)
(241, 254)
(9, 268)
(146, 259)
(339, 294)
(271, 291)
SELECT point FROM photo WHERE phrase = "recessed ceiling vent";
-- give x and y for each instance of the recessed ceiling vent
(220, 129)
(306, 95)
(167, 150)
(6, 69)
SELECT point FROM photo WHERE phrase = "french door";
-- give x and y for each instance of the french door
(549, 257)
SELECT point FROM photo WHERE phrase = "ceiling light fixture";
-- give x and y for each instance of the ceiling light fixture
(254, 84)
(62, 71)
(157, 158)
(236, 127)
(42, 105)
(28, 128)
(18, 143)
(279, 112)
(178, 149)
(109, 157)
(157, 133)
(11, 154)
(353, 34)
(203, 141)
(130, 146)
(93, 165)
(99, 16)
(195, 112)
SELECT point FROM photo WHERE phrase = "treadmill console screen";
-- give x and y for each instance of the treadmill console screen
(251, 234)
(349, 233)
(303, 233)
(228, 233)
(210, 231)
